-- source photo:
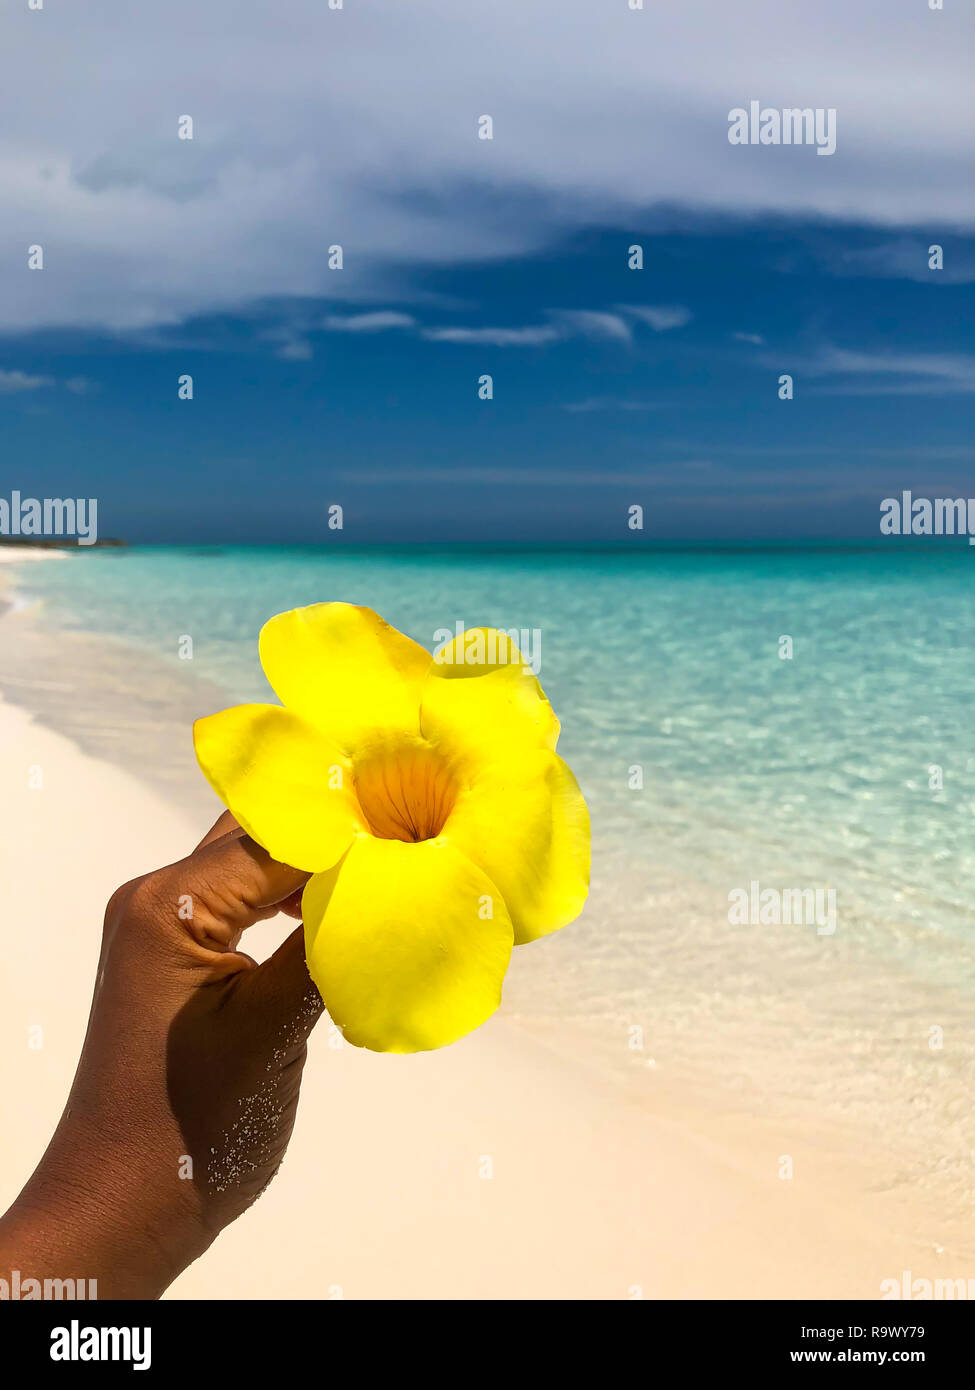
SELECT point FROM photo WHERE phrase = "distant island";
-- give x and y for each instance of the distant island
(60, 542)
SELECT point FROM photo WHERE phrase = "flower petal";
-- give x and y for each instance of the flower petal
(397, 945)
(479, 689)
(288, 786)
(526, 824)
(344, 669)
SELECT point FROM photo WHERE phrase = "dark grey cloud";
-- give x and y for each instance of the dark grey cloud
(315, 127)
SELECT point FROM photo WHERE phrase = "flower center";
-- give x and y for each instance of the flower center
(405, 795)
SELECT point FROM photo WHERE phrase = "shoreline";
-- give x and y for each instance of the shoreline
(145, 707)
(15, 555)
(676, 1186)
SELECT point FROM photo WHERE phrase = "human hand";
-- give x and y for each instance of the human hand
(186, 1092)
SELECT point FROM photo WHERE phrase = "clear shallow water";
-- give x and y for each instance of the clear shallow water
(804, 773)
(801, 772)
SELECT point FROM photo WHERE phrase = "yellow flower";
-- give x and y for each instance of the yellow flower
(427, 801)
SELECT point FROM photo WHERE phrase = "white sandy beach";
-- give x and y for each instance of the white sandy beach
(381, 1196)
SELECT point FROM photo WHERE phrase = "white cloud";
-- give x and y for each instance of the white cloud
(905, 258)
(566, 323)
(12, 383)
(495, 337)
(936, 373)
(316, 126)
(592, 324)
(660, 317)
(755, 339)
(367, 323)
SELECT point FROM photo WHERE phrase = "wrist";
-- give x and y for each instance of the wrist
(98, 1214)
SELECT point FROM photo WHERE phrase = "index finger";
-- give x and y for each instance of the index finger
(231, 883)
(239, 881)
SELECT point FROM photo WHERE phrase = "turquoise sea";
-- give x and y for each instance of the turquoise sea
(849, 766)
(818, 766)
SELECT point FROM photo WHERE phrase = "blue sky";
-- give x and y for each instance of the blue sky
(611, 386)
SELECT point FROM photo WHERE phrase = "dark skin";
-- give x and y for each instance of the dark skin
(186, 1092)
